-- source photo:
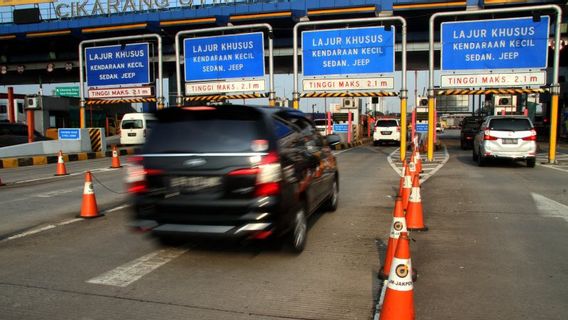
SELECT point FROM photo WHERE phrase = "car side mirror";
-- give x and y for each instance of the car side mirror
(332, 139)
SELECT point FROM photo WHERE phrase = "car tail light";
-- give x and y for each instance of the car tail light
(136, 175)
(487, 136)
(398, 129)
(268, 175)
(532, 137)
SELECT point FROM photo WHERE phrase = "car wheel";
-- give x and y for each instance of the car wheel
(531, 162)
(480, 160)
(375, 143)
(169, 241)
(474, 155)
(462, 145)
(333, 200)
(299, 233)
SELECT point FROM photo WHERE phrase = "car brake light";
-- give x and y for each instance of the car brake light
(398, 129)
(532, 137)
(136, 175)
(487, 136)
(268, 175)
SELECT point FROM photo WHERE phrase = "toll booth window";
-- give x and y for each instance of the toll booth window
(2, 108)
(132, 124)
(20, 108)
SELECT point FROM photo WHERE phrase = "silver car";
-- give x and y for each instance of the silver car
(509, 137)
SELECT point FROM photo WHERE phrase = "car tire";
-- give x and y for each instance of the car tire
(333, 200)
(474, 155)
(375, 143)
(462, 144)
(531, 162)
(481, 160)
(169, 241)
(298, 235)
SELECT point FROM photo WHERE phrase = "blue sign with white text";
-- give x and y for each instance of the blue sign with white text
(118, 65)
(348, 51)
(517, 43)
(69, 134)
(224, 57)
(421, 127)
(339, 128)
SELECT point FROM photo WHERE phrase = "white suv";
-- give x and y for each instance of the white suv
(511, 137)
(386, 130)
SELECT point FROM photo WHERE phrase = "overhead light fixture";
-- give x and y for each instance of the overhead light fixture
(50, 67)
(20, 68)
(3, 69)
(68, 66)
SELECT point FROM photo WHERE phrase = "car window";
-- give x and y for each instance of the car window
(217, 131)
(320, 122)
(282, 130)
(386, 123)
(510, 124)
(132, 124)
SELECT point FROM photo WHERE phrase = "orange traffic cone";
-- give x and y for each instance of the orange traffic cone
(61, 171)
(414, 212)
(406, 187)
(89, 206)
(398, 303)
(398, 226)
(418, 161)
(115, 159)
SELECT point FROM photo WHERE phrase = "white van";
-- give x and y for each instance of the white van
(135, 127)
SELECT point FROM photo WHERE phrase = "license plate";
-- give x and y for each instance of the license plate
(509, 141)
(132, 134)
(192, 184)
(386, 132)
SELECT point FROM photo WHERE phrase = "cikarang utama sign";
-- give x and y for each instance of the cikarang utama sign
(86, 8)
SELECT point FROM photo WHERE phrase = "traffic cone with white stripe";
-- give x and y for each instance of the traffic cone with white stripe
(414, 211)
(406, 187)
(398, 226)
(61, 170)
(115, 159)
(418, 161)
(398, 303)
(89, 206)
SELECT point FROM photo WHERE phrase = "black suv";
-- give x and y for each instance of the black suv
(233, 172)
(469, 128)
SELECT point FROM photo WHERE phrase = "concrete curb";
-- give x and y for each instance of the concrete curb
(47, 159)
(343, 145)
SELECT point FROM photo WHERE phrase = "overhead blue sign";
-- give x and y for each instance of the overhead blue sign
(348, 51)
(224, 57)
(517, 43)
(339, 128)
(69, 134)
(118, 65)
(421, 127)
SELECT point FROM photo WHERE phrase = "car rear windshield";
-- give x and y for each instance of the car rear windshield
(208, 131)
(510, 124)
(132, 124)
(386, 123)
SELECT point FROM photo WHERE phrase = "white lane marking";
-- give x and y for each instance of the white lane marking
(132, 271)
(57, 192)
(550, 208)
(117, 208)
(105, 169)
(62, 223)
(30, 232)
(70, 221)
(554, 167)
(438, 165)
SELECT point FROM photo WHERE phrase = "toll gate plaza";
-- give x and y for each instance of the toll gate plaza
(420, 225)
